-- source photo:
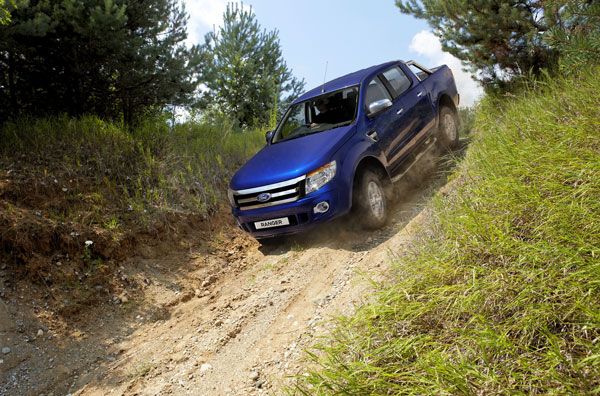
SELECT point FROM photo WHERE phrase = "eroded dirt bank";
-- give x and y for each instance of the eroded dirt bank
(229, 317)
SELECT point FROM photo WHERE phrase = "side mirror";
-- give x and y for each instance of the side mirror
(269, 135)
(378, 106)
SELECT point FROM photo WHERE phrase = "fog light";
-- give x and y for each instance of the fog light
(321, 207)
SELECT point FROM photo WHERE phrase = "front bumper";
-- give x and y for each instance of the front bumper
(300, 214)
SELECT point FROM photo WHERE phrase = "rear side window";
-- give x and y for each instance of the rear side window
(398, 80)
(375, 91)
(421, 74)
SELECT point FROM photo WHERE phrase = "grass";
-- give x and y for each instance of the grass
(153, 167)
(65, 181)
(141, 369)
(501, 291)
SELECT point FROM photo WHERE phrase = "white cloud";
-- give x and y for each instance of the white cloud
(203, 15)
(426, 44)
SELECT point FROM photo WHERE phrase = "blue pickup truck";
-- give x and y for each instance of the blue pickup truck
(340, 146)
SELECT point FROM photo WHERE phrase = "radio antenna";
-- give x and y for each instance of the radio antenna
(324, 77)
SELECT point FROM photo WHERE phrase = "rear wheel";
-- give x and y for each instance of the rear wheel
(370, 200)
(448, 130)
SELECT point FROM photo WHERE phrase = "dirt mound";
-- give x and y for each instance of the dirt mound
(65, 240)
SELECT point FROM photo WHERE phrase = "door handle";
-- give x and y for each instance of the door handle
(399, 111)
(373, 135)
(420, 93)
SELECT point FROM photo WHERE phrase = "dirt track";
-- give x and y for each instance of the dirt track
(230, 317)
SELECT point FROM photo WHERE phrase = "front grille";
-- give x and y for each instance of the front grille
(277, 193)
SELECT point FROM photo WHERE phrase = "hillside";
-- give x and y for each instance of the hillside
(492, 290)
(184, 301)
(499, 292)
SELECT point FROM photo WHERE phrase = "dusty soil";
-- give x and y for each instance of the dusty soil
(218, 316)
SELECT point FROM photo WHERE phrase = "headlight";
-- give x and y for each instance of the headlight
(230, 195)
(320, 177)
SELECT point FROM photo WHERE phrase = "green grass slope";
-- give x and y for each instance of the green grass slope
(501, 293)
(64, 181)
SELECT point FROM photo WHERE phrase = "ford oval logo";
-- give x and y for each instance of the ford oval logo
(264, 197)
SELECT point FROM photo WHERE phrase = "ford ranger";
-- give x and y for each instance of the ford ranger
(340, 146)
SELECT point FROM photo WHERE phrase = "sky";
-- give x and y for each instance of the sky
(340, 35)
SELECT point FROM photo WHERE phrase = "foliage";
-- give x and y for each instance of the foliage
(496, 39)
(500, 293)
(146, 171)
(466, 117)
(578, 37)
(112, 58)
(246, 75)
(4, 11)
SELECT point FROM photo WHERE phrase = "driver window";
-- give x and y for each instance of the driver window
(375, 91)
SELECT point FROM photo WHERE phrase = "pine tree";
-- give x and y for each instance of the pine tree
(113, 58)
(245, 73)
(578, 36)
(498, 39)
(154, 67)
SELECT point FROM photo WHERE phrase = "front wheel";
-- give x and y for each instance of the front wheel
(370, 200)
(448, 131)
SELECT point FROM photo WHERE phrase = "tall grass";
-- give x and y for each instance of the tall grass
(153, 167)
(501, 291)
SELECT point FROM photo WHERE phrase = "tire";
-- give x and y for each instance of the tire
(448, 129)
(370, 200)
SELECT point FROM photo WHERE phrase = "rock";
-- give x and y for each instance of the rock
(5, 350)
(206, 292)
(218, 323)
(258, 384)
(205, 367)
(124, 299)
(40, 333)
(198, 292)
(254, 375)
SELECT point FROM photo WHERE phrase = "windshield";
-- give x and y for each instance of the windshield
(318, 114)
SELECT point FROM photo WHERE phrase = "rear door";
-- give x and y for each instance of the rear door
(415, 113)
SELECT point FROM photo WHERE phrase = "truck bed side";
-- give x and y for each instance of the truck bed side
(440, 84)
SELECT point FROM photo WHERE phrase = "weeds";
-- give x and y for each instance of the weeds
(65, 181)
(500, 293)
(141, 369)
(466, 116)
(152, 168)
(91, 264)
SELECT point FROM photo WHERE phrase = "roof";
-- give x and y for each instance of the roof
(348, 80)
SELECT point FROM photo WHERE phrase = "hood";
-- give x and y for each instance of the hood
(287, 160)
